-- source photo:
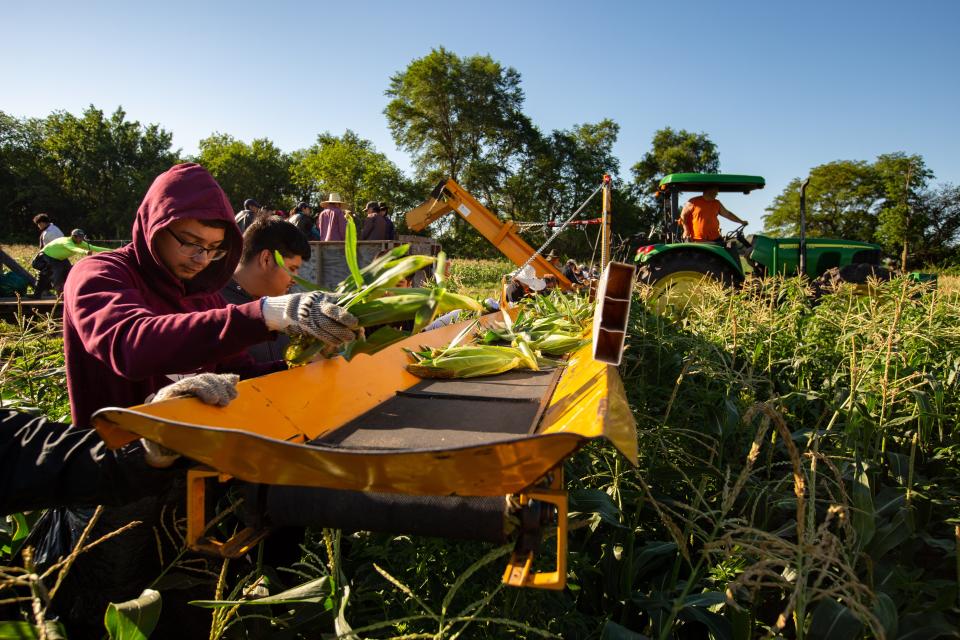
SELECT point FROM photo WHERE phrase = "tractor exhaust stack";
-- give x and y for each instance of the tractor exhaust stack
(803, 226)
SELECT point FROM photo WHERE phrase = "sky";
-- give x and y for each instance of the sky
(780, 87)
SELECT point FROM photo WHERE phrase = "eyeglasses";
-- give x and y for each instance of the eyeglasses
(194, 250)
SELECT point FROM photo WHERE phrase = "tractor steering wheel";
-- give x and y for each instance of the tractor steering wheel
(737, 234)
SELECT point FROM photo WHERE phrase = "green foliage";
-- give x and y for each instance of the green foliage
(352, 167)
(673, 152)
(886, 201)
(258, 170)
(88, 171)
(459, 117)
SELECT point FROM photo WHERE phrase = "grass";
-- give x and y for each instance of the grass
(799, 477)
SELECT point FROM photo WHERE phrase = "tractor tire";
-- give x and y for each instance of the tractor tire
(675, 277)
(858, 274)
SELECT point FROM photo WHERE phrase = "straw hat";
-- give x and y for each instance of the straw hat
(334, 198)
(528, 277)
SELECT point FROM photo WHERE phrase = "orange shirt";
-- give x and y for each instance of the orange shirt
(704, 219)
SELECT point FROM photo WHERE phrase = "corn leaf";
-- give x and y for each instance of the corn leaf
(303, 282)
(350, 251)
(379, 339)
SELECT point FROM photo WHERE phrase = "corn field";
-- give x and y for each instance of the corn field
(799, 477)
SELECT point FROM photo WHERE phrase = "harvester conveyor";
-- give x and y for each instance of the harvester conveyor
(365, 445)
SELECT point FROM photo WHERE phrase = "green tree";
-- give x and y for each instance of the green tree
(352, 167)
(258, 170)
(939, 210)
(459, 118)
(673, 152)
(842, 202)
(25, 188)
(900, 219)
(89, 171)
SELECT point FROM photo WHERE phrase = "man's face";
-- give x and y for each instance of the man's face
(254, 208)
(176, 243)
(42, 225)
(710, 194)
(269, 278)
(371, 211)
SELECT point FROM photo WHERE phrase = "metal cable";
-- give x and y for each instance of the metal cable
(561, 228)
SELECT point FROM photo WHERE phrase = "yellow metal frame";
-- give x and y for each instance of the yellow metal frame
(450, 197)
(519, 571)
(197, 526)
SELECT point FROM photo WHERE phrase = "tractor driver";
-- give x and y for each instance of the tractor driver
(700, 217)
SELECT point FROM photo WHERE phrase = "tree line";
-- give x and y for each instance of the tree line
(459, 117)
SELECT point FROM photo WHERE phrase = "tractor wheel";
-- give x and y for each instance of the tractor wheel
(858, 274)
(675, 278)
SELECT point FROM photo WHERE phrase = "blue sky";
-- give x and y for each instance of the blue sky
(780, 87)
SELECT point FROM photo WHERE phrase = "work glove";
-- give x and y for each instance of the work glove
(314, 314)
(217, 389)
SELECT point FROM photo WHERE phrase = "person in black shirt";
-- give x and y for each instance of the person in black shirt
(259, 275)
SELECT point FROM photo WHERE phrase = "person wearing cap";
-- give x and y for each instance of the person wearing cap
(571, 273)
(391, 230)
(523, 284)
(304, 220)
(332, 222)
(553, 258)
(375, 224)
(57, 255)
(251, 209)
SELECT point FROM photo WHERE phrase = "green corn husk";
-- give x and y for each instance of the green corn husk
(468, 361)
(372, 296)
(558, 344)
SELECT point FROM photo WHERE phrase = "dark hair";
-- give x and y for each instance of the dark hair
(275, 234)
(41, 217)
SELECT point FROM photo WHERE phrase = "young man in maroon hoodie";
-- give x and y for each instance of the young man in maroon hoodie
(137, 318)
(143, 316)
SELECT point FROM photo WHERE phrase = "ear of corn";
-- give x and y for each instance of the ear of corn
(538, 331)
(371, 295)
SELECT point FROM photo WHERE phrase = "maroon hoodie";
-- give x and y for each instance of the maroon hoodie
(130, 326)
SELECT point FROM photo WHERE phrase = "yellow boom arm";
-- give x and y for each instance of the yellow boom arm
(449, 196)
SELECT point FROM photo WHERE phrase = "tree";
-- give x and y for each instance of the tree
(89, 171)
(673, 152)
(939, 209)
(352, 167)
(842, 202)
(459, 118)
(258, 170)
(886, 201)
(559, 173)
(899, 219)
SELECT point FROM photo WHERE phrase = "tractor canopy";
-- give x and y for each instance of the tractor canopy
(724, 182)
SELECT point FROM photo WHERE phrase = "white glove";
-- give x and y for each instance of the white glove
(217, 389)
(314, 314)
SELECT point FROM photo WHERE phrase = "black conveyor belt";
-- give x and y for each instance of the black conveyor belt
(436, 414)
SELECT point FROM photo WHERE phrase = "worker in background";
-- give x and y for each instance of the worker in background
(374, 224)
(251, 209)
(150, 313)
(304, 220)
(571, 273)
(258, 275)
(553, 259)
(700, 217)
(55, 260)
(391, 230)
(332, 222)
(524, 283)
(48, 230)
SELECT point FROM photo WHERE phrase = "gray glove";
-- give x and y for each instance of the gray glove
(314, 314)
(217, 389)
(211, 388)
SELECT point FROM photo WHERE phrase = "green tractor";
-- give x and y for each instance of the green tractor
(675, 269)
